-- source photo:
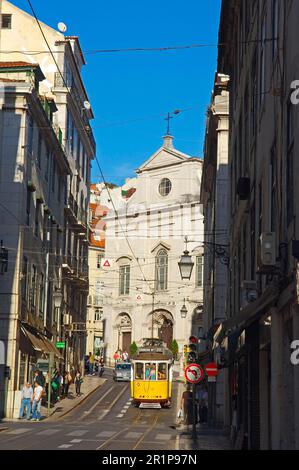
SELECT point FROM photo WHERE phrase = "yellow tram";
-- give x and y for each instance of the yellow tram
(151, 375)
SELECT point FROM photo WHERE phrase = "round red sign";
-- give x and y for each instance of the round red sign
(211, 369)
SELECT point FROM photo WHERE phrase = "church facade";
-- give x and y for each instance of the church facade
(150, 222)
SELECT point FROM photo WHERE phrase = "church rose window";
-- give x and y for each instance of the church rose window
(165, 187)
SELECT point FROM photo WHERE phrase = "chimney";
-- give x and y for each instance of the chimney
(168, 141)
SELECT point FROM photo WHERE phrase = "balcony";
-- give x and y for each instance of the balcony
(78, 99)
(71, 209)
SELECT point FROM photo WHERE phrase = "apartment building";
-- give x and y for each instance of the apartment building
(259, 54)
(50, 219)
(214, 200)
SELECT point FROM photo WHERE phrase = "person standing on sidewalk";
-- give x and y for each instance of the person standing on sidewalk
(66, 383)
(91, 363)
(36, 402)
(78, 382)
(27, 392)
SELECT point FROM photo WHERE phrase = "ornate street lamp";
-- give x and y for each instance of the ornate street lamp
(57, 297)
(184, 311)
(186, 265)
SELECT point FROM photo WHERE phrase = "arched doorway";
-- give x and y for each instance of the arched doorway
(163, 326)
(124, 331)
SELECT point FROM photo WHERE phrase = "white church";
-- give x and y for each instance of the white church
(147, 225)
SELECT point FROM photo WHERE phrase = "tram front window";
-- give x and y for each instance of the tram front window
(162, 371)
(139, 371)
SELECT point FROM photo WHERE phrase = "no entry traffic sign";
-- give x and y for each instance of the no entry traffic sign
(211, 369)
(193, 373)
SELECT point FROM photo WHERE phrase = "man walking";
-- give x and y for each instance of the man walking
(36, 402)
(27, 392)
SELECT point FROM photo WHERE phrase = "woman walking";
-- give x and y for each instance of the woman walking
(78, 382)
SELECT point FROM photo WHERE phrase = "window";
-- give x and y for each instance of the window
(263, 60)
(47, 164)
(124, 280)
(161, 270)
(28, 206)
(41, 293)
(165, 187)
(162, 371)
(98, 315)
(252, 241)
(274, 27)
(53, 174)
(6, 21)
(29, 136)
(39, 150)
(139, 371)
(36, 221)
(290, 162)
(24, 279)
(99, 260)
(199, 271)
(33, 286)
(273, 176)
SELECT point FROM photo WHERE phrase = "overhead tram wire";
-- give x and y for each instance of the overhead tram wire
(139, 49)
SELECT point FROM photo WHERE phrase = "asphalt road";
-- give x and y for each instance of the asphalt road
(106, 420)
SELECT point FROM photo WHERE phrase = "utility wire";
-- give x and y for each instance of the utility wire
(140, 49)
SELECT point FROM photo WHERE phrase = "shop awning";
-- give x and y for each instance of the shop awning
(39, 342)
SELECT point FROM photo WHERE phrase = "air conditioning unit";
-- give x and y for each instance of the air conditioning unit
(249, 292)
(266, 256)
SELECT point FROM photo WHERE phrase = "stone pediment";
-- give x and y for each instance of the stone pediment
(162, 158)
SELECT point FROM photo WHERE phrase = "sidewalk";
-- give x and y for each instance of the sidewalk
(64, 406)
(207, 438)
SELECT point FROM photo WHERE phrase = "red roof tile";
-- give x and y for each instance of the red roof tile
(17, 64)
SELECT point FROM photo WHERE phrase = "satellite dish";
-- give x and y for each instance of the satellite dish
(62, 27)
(87, 105)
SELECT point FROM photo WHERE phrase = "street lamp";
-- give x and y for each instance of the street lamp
(186, 265)
(57, 297)
(184, 311)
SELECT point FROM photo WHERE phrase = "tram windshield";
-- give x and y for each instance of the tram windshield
(151, 371)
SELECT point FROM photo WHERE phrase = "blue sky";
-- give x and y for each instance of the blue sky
(130, 92)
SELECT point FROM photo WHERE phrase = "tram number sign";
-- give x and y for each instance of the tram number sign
(194, 373)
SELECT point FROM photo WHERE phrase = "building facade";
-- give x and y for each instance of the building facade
(96, 253)
(214, 200)
(49, 152)
(147, 223)
(262, 311)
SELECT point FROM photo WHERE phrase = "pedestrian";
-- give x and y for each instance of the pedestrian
(101, 367)
(66, 383)
(91, 363)
(203, 405)
(39, 378)
(125, 356)
(36, 401)
(78, 382)
(26, 397)
(187, 405)
(116, 356)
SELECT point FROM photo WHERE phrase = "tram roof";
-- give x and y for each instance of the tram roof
(154, 356)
